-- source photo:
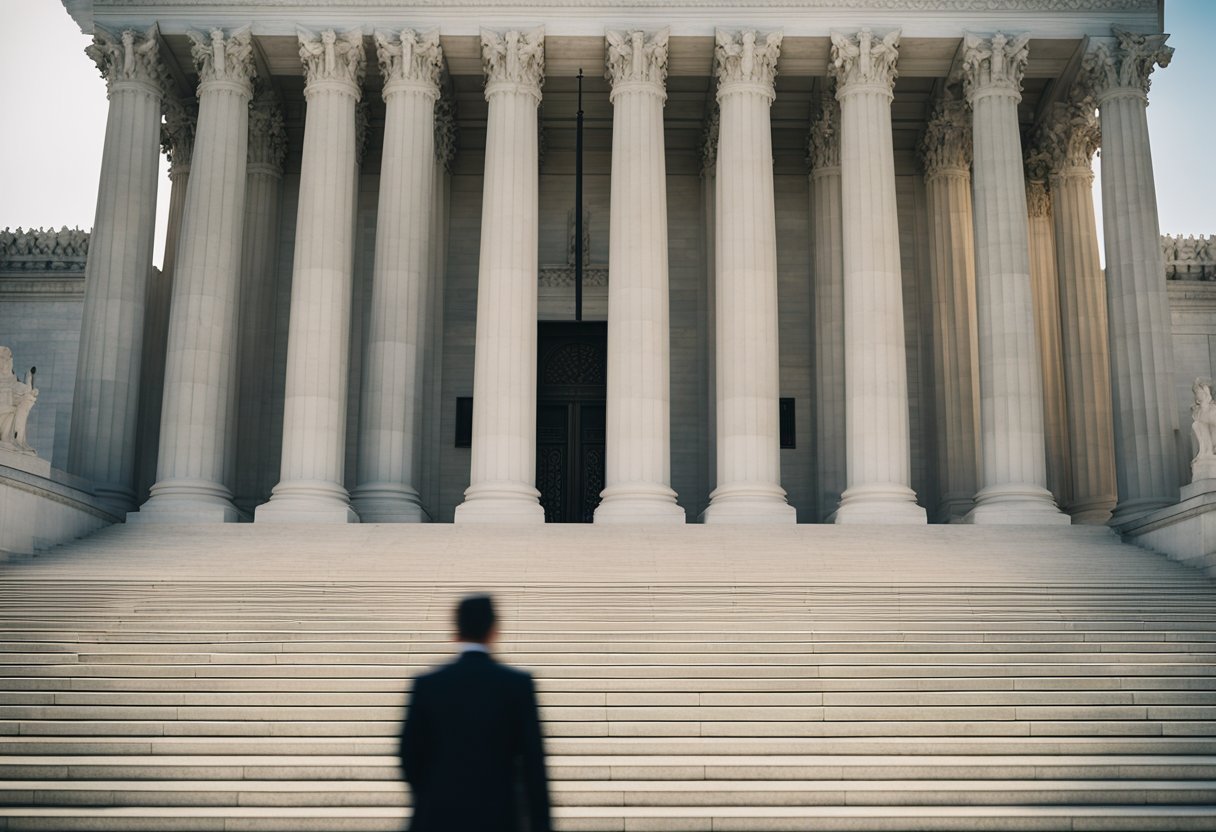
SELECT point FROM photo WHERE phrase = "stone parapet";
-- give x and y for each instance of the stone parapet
(43, 249)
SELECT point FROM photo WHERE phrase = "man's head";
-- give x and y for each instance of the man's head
(475, 619)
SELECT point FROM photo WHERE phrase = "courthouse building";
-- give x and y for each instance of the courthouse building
(836, 261)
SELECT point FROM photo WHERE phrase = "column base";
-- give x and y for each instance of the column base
(300, 503)
(1128, 510)
(880, 505)
(639, 504)
(187, 501)
(749, 503)
(118, 500)
(507, 503)
(954, 509)
(1092, 512)
(387, 502)
(1016, 505)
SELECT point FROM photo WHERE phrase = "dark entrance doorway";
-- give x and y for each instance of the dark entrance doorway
(571, 384)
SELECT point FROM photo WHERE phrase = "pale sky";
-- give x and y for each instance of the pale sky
(54, 103)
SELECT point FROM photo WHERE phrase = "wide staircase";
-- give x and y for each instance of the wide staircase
(699, 678)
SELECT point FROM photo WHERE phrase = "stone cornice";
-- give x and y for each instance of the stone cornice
(994, 65)
(864, 61)
(1033, 6)
(224, 59)
(634, 59)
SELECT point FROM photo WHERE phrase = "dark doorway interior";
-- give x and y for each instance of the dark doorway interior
(571, 384)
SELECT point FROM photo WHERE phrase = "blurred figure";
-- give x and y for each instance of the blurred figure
(471, 748)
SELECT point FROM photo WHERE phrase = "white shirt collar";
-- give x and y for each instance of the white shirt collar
(471, 647)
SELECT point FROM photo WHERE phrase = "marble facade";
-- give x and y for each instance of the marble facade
(890, 225)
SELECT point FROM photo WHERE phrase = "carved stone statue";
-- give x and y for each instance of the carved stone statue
(16, 400)
(1203, 424)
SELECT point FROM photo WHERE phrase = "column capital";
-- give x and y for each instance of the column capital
(994, 65)
(362, 131)
(1123, 64)
(946, 145)
(131, 57)
(636, 62)
(742, 64)
(267, 134)
(709, 138)
(823, 141)
(410, 61)
(447, 133)
(1070, 136)
(513, 61)
(333, 61)
(224, 60)
(177, 133)
(1038, 200)
(863, 63)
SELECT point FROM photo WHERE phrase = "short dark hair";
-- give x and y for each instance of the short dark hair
(475, 617)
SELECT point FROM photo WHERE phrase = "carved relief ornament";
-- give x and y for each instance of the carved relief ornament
(1038, 200)
(223, 59)
(862, 61)
(994, 65)
(514, 60)
(1070, 136)
(742, 58)
(946, 145)
(447, 135)
(633, 58)
(709, 138)
(177, 133)
(130, 56)
(823, 141)
(1124, 66)
(332, 57)
(410, 58)
(267, 133)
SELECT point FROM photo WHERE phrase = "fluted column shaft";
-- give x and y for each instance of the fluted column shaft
(390, 432)
(745, 291)
(827, 278)
(878, 451)
(502, 472)
(106, 399)
(200, 363)
(1045, 287)
(1013, 474)
(311, 487)
(947, 157)
(637, 473)
(1141, 348)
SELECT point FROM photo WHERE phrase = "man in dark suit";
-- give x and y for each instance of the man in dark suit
(471, 748)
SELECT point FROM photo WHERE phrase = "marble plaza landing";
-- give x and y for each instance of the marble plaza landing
(694, 678)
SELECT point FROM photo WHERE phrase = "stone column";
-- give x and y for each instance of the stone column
(200, 362)
(177, 141)
(745, 287)
(946, 155)
(502, 473)
(1071, 137)
(1013, 472)
(877, 447)
(1141, 349)
(709, 190)
(106, 399)
(310, 488)
(827, 277)
(390, 431)
(1045, 286)
(259, 258)
(637, 473)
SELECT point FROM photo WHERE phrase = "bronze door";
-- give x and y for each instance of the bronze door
(571, 388)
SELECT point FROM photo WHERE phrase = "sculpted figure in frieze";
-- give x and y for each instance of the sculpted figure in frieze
(996, 62)
(633, 57)
(410, 56)
(330, 56)
(223, 59)
(1127, 63)
(1203, 425)
(863, 59)
(823, 140)
(514, 57)
(17, 398)
(741, 57)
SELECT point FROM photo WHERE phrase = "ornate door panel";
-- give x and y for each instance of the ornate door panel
(571, 387)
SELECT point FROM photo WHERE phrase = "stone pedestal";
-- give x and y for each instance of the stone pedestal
(311, 489)
(827, 278)
(390, 429)
(745, 288)
(502, 473)
(637, 473)
(1141, 349)
(106, 398)
(878, 452)
(200, 364)
(1013, 471)
(946, 154)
